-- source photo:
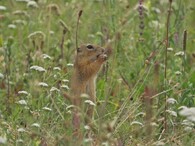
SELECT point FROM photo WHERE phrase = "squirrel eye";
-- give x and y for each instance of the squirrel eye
(90, 47)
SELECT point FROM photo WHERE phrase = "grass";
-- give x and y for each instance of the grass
(37, 45)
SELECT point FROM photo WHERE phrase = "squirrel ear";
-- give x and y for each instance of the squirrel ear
(78, 50)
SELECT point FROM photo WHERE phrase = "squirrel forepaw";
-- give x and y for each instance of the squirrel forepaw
(102, 57)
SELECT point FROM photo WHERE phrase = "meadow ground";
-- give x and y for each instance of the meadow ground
(145, 92)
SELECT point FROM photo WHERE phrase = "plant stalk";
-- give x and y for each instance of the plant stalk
(166, 60)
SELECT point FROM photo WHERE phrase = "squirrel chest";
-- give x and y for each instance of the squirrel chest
(88, 61)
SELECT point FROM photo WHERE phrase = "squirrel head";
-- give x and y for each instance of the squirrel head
(89, 59)
(88, 53)
(89, 50)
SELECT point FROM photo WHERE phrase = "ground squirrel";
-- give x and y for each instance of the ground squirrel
(88, 61)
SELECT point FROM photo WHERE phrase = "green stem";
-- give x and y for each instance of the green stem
(165, 70)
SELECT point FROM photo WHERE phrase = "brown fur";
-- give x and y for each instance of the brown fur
(88, 61)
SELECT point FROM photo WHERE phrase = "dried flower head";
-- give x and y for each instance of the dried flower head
(141, 16)
(54, 8)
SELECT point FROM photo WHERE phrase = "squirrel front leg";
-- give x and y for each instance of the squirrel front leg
(99, 58)
(95, 64)
(92, 96)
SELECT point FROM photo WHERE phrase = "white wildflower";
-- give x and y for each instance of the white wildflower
(105, 143)
(140, 114)
(176, 85)
(57, 68)
(86, 140)
(90, 102)
(86, 127)
(172, 113)
(70, 64)
(3, 140)
(19, 141)
(189, 113)
(65, 80)
(99, 34)
(36, 34)
(182, 107)
(156, 10)
(54, 89)
(23, 92)
(12, 26)
(26, 107)
(120, 80)
(20, 12)
(32, 4)
(154, 124)
(36, 125)
(180, 53)
(65, 86)
(159, 143)
(84, 95)
(91, 35)
(43, 84)
(113, 122)
(70, 106)
(155, 24)
(45, 56)
(136, 123)
(19, 22)
(38, 68)
(1, 76)
(47, 108)
(171, 101)
(178, 73)
(3, 8)
(187, 123)
(69, 112)
(21, 130)
(22, 0)
(188, 128)
(55, 76)
(191, 118)
(51, 32)
(22, 102)
(170, 49)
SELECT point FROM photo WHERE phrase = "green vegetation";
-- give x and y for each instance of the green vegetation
(145, 93)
